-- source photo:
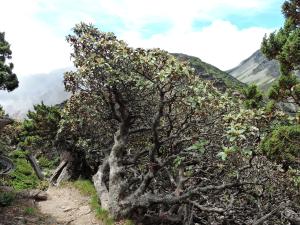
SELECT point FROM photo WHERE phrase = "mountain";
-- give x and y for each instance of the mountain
(34, 89)
(222, 80)
(257, 69)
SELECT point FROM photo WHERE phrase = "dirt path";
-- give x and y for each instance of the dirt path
(24, 212)
(68, 206)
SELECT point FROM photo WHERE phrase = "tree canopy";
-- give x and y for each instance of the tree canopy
(253, 96)
(38, 130)
(284, 46)
(8, 80)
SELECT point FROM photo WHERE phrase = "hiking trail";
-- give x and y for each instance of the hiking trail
(68, 206)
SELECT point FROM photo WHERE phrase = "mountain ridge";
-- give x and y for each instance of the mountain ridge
(222, 80)
(257, 69)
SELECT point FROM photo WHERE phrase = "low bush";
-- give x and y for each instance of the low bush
(6, 198)
(282, 145)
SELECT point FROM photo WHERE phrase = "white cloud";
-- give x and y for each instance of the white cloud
(39, 45)
(136, 13)
(35, 46)
(221, 44)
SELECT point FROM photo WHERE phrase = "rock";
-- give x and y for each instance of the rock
(66, 209)
(83, 210)
(35, 194)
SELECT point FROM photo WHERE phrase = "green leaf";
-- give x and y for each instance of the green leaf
(222, 155)
(178, 161)
(198, 146)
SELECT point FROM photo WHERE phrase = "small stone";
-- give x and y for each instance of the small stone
(66, 209)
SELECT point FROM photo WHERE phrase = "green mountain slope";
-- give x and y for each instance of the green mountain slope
(221, 79)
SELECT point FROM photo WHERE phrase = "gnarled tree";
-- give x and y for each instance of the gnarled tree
(152, 130)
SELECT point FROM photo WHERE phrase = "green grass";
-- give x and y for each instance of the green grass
(46, 163)
(87, 188)
(30, 211)
(23, 177)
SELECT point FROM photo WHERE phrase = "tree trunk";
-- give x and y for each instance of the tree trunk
(116, 180)
(58, 171)
(112, 168)
(69, 168)
(35, 166)
(35, 194)
(65, 171)
(100, 185)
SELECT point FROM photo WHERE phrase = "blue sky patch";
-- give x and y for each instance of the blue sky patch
(269, 19)
(151, 29)
(199, 24)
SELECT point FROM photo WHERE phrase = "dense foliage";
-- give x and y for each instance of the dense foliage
(283, 145)
(222, 80)
(8, 134)
(284, 46)
(253, 97)
(8, 80)
(38, 130)
(22, 141)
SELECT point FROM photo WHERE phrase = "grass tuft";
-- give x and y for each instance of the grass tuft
(30, 211)
(87, 188)
(23, 176)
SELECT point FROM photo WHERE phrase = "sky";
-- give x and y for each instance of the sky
(220, 32)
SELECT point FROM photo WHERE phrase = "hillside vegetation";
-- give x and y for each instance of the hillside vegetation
(221, 79)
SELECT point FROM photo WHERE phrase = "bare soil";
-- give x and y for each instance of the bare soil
(68, 206)
(64, 206)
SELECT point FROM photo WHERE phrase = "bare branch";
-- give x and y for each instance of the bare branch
(267, 216)
(208, 209)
